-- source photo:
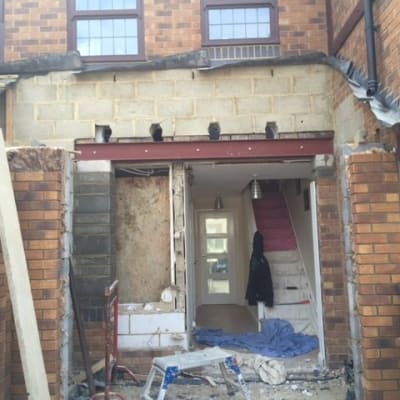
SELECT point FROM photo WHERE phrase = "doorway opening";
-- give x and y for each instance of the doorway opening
(220, 243)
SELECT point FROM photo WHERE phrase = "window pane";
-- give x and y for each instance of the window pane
(251, 31)
(83, 47)
(251, 15)
(264, 30)
(132, 46)
(239, 23)
(107, 37)
(218, 286)
(82, 28)
(131, 28)
(214, 17)
(94, 28)
(95, 47)
(106, 4)
(215, 32)
(119, 28)
(93, 4)
(119, 46)
(238, 15)
(107, 47)
(218, 265)
(263, 15)
(227, 31)
(81, 5)
(239, 31)
(130, 4)
(226, 16)
(217, 245)
(118, 4)
(106, 28)
(216, 225)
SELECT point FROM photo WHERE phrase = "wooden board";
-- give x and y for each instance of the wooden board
(142, 238)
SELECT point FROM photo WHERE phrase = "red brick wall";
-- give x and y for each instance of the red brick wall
(341, 10)
(334, 290)
(38, 185)
(302, 26)
(374, 190)
(171, 27)
(387, 19)
(34, 28)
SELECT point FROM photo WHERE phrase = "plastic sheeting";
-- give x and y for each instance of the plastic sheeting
(276, 339)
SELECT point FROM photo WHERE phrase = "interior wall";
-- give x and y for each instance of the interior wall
(142, 237)
(234, 203)
(295, 192)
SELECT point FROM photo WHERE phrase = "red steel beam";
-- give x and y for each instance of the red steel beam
(204, 150)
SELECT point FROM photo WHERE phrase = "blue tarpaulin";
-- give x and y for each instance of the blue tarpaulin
(276, 339)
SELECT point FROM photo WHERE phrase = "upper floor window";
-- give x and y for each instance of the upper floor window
(239, 22)
(107, 30)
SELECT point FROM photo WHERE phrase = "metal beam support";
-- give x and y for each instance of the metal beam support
(204, 150)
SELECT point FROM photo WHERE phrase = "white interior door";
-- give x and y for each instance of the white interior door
(215, 267)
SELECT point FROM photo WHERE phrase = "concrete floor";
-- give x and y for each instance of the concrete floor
(231, 318)
(234, 318)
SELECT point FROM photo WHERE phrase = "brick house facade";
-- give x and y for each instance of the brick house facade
(179, 79)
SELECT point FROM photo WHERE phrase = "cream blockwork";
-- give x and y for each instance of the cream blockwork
(63, 106)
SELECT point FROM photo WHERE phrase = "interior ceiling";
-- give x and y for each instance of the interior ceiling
(212, 178)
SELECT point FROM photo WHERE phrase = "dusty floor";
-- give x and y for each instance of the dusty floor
(334, 389)
(303, 381)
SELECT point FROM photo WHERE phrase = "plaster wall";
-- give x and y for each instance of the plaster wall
(301, 220)
(61, 107)
(349, 122)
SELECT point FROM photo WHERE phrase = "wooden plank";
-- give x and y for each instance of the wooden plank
(19, 286)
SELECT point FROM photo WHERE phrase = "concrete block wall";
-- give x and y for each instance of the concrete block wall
(152, 330)
(59, 107)
(93, 249)
(334, 289)
(374, 194)
(37, 176)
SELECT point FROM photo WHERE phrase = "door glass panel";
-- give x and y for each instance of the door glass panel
(217, 245)
(217, 265)
(218, 286)
(217, 268)
(216, 225)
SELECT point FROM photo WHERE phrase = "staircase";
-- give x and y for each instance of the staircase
(272, 220)
(292, 292)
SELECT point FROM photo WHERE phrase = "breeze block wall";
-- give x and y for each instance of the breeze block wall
(37, 176)
(374, 190)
